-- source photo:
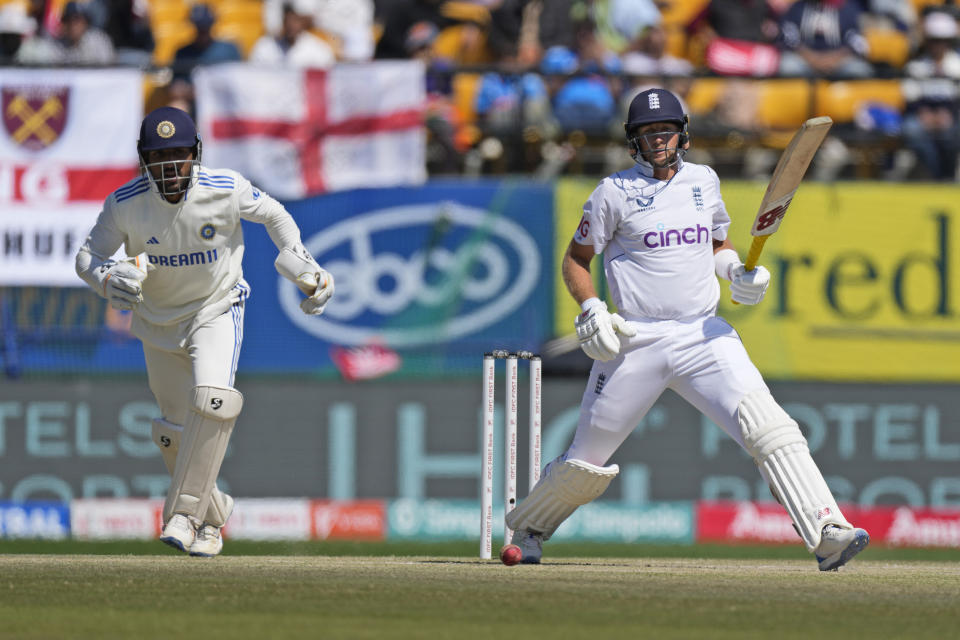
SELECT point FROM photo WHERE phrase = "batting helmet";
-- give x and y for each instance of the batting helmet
(168, 127)
(656, 105)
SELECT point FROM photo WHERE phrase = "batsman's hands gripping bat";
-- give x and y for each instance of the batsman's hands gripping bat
(597, 331)
(298, 266)
(786, 179)
(749, 287)
(121, 280)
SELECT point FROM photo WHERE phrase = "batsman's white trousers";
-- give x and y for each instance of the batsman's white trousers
(208, 358)
(703, 360)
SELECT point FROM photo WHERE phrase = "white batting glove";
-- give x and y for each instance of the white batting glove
(120, 283)
(749, 287)
(597, 331)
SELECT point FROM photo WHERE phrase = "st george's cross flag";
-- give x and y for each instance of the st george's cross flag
(296, 133)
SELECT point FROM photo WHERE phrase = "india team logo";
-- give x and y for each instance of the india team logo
(34, 117)
(207, 231)
(166, 129)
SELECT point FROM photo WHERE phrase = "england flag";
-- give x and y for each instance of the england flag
(300, 132)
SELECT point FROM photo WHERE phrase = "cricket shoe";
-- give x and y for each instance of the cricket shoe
(837, 546)
(179, 532)
(531, 544)
(208, 542)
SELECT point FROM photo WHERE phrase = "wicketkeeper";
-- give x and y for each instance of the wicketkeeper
(661, 229)
(187, 293)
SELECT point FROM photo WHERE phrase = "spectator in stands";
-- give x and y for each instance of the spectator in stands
(739, 37)
(618, 23)
(648, 57)
(931, 127)
(127, 24)
(80, 42)
(823, 38)
(395, 17)
(447, 138)
(15, 27)
(585, 101)
(514, 100)
(204, 50)
(295, 45)
(348, 23)
(514, 31)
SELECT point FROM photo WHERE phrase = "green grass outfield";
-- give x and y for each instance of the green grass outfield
(372, 590)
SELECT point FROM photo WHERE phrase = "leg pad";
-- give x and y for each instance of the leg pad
(774, 440)
(565, 485)
(214, 412)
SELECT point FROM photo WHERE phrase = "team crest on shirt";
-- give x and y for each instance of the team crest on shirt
(698, 198)
(207, 231)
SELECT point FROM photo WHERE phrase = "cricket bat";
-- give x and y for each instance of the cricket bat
(783, 185)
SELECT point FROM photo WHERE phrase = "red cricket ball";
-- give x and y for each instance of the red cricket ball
(510, 555)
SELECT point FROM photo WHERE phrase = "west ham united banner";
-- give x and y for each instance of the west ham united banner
(67, 140)
(297, 133)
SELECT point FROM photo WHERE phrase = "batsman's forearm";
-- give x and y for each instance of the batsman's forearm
(576, 277)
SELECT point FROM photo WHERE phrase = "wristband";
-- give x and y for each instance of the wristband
(725, 261)
(590, 303)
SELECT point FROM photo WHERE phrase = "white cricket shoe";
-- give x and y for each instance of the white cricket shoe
(208, 542)
(837, 546)
(179, 532)
(531, 544)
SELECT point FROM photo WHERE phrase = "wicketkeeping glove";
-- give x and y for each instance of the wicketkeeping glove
(597, 331)
(749, 287)
(120, 282)
(321, 284)
(298, 266)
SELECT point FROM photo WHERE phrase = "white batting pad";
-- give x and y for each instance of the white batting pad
(166, 435)
(203, 444)
(565, 486)
(774, 440)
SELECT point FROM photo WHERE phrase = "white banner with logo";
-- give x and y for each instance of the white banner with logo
(68, 139)
(297, 133)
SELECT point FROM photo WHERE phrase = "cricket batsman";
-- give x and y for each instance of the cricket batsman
(186, 291)
(661, 229)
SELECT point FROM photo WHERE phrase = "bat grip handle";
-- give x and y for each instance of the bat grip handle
(753, 257)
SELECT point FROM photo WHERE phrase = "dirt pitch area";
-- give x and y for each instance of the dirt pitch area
(112, 596)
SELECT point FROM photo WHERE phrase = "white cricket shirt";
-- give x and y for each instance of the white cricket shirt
(657, 238)
(194, 247)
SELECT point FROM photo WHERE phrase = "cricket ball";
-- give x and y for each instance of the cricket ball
(510, 555)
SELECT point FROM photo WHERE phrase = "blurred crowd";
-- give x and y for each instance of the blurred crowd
(533, 85)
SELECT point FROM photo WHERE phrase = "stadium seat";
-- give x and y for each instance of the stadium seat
(465, 87)
(169, 37)
(842, 99)
(682, 12)
(677, 15)
(888, 46)
(704, 94)
(784, 104)
(458, 44)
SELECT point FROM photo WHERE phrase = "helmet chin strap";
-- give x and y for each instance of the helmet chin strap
(649, 167)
